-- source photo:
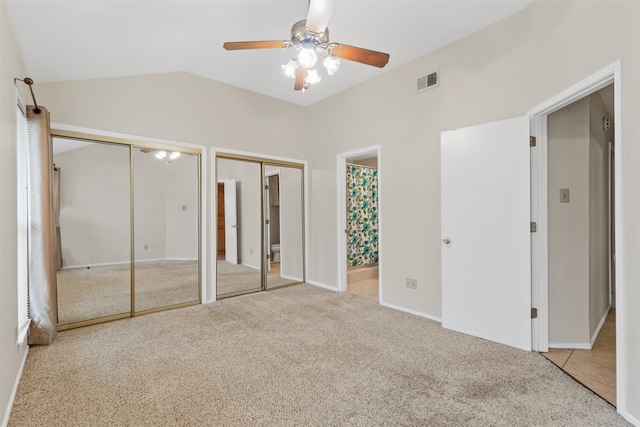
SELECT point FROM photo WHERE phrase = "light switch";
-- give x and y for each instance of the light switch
(564, 195)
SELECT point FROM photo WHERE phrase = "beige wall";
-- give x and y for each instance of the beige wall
(94, 205)
(598, 213)
(502, 71)
(95, 211)
(568, 225)
(11, 356)
(291, 220)
(181, 208)
(179, 107)
(578, 275)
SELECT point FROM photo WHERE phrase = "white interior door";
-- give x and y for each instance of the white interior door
(486, 238)
(230, 222)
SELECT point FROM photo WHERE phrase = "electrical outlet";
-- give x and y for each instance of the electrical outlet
(146, 247)
(250, 251)
(411, 283)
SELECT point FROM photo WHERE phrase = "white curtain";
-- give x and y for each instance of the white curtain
(43, 307)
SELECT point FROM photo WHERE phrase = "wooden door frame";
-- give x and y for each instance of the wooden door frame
(219, 200)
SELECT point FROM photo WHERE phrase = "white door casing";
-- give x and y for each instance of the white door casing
(230, 221)
(486, 264)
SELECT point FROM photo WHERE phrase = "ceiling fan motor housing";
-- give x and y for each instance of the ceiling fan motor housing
(300, 34)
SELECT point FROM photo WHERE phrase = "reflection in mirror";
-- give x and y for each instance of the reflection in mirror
(239, 258)
(92, 211)
(166, 206)
(283, 210)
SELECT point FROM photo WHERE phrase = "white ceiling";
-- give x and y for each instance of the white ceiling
(85, 39)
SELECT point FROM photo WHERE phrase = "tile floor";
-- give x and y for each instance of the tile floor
(595, 368)
(366, 288)
(363, 282)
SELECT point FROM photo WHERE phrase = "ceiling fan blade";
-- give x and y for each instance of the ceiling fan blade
(267, 44)
(358, 54)
(147, 150)
(320, 12)
(301, 74)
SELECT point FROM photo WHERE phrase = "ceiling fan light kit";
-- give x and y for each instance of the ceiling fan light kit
(310, 37)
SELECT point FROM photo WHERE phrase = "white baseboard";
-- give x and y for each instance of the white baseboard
(251, 266)
(322, 285)
(570, 345)
(7, 412)
(410, 311)
(600, 325)
(579, 345)
(295, 279)
(633, 420)
(102, 264)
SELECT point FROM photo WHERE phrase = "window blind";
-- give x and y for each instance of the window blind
(23, 224)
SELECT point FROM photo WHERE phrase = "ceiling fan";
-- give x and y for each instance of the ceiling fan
(310, 38)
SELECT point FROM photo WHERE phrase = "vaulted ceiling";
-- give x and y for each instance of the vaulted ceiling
(73, 40)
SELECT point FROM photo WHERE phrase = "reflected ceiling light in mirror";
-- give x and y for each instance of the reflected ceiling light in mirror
(162, 155)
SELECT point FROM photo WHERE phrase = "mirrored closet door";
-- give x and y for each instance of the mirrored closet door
(93, 222)
(284, 241)
(239, 261)
(128, 226)
(166, 217)
(260, 225)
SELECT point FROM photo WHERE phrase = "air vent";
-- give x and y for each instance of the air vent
(428, 81)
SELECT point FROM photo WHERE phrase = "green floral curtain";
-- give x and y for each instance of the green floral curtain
(362, 216)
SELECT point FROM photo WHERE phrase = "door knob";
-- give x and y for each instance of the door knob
(446, 240)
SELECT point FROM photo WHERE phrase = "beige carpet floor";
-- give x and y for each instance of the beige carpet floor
(299, 356)
(91, 293)
(238, 278)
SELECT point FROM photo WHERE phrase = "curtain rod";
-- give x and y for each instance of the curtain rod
(29, 81)
(362, 166)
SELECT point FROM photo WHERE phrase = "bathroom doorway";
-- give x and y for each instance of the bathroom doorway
(360, 255)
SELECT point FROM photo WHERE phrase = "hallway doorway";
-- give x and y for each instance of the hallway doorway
(581, 230)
